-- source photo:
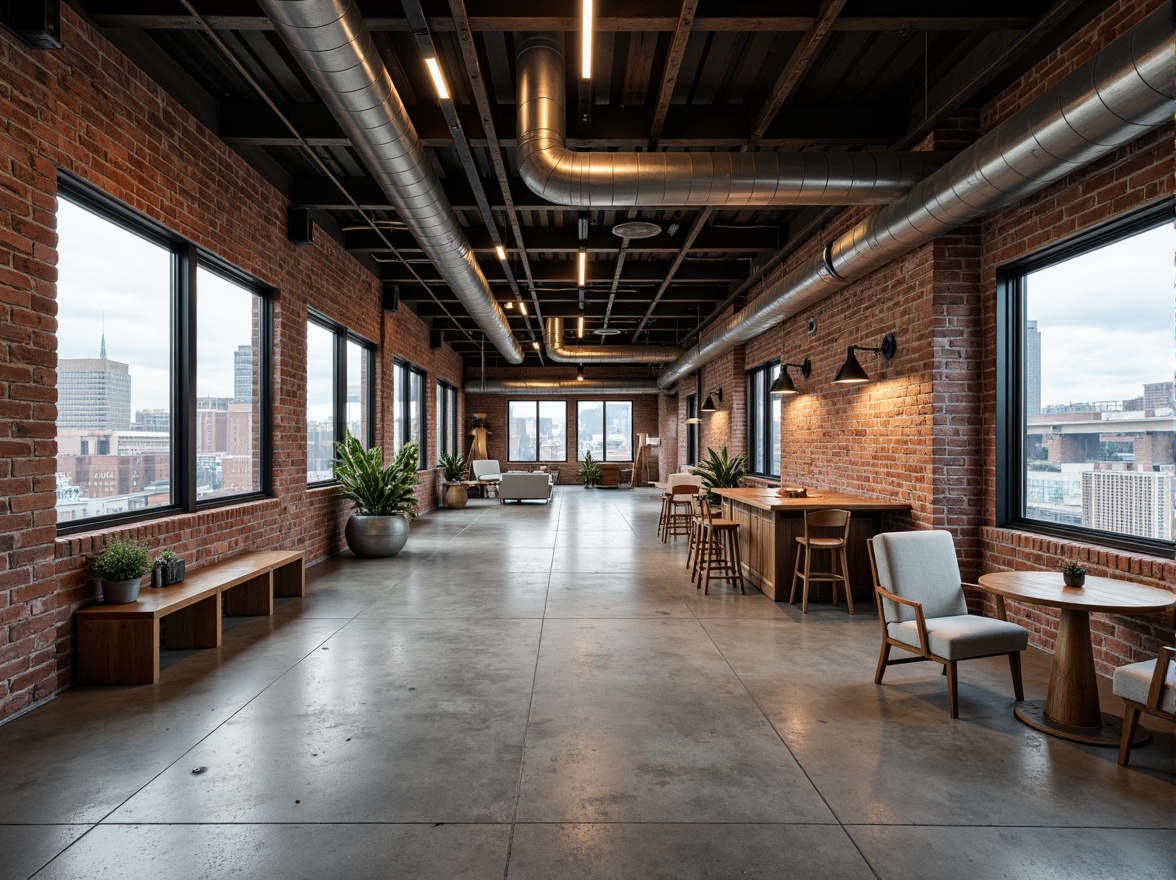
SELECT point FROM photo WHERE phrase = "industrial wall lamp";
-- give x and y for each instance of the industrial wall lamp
(851, 372)
(708, 405)
(783, 383)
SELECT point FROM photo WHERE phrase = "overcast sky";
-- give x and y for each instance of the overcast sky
(1106, 320)
(108, 277)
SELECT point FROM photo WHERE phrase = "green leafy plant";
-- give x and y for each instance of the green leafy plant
(377, 490)
(721, 471)
(1074, 569)
(167, 556)
(589, 472)
(453, 466)
(121, 559)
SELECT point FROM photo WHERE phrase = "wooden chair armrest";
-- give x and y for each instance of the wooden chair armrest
(1165, 656)
(920, 621)
(1000, 604)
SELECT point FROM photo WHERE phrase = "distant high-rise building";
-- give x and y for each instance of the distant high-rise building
(1128, 502)
(93, 393)
(243, 374)
(1032, 369)
(1157, 395)
(153, 420)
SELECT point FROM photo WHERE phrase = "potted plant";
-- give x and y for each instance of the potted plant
(169, 569)
(453, 470)
(1074, 574)
(589, 472)
(383, 496)
(720, 471)
(121, 566)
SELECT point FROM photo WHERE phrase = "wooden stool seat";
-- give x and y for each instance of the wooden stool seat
(811, 543)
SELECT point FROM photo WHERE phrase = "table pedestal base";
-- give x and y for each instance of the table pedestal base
(1107, 734)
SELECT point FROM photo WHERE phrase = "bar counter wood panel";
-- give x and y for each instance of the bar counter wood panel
(769, 525)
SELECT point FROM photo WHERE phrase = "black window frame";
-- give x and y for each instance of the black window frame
(187, 257)
(692, 430)
(604, 416)
(341, 335)
(447, 442)
(400, 399)
(762, 444)
(537, 459)
(1011, 313)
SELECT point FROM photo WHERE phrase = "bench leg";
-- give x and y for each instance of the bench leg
(251, 598)
(290, 579)
(118, 651)
(197, 626)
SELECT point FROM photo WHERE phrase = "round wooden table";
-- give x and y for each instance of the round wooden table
(1071, 709)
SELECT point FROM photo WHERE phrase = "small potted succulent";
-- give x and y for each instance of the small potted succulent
(169, 569)
(1074, 574)
(121, 566)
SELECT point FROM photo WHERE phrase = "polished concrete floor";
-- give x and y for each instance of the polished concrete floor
(537, 691)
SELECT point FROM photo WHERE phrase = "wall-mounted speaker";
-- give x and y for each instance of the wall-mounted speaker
(300, 226)
(37, 22)
(391, 297)
(436, 338)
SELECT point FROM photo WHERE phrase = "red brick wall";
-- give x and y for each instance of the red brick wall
(89, 111)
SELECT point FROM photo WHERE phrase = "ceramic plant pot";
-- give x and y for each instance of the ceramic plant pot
(1074, 580)
(457, 496)
(120, 592)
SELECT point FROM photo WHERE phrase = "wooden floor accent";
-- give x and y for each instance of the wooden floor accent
(120, 644)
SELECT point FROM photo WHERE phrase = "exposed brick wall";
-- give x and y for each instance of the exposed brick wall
(87, 110)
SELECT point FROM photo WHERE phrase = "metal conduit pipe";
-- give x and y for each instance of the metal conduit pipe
(726, 180)
(1121, 93)
(333, 45)
(539, 387)
(604, 353)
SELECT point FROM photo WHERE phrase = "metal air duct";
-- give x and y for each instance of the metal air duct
(727, 180)
(605, 353)
(335, 48)
(1112, 99)
(539, 387)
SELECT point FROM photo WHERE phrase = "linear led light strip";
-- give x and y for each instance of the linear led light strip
(586, 40)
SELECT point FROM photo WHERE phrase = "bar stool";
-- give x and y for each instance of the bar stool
(694, 549)
(678, 506)
(718, 554)
(674, 481)
(810, 544)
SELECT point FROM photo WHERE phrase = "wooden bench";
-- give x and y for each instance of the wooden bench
(120, 644)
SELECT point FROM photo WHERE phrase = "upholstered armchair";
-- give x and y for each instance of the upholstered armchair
(1149, 686)
(921, 607)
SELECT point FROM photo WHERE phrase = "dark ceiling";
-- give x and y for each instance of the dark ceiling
(697, 75)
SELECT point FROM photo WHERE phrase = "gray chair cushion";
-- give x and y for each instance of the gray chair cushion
(920, 566)
(1134, 681)
(963, 636)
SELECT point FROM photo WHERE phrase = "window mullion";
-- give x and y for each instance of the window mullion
(340, 386)
(184, 386)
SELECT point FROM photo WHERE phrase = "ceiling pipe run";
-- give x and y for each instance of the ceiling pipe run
(1117, 96)
(539, 387)
(333, 45)
(726, 180)
(603, 353)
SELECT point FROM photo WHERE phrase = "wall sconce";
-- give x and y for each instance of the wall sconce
(580, 373)
(708, 405)
(783, 383)
(694, 421)
(851, 372)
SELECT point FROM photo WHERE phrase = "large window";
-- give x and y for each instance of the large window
(537, 430)
(605, 428)
(446, 419)
(408, 407)
(1085, 406)
(692, 426)
(163, 369)
(763, 421)
(338, 393)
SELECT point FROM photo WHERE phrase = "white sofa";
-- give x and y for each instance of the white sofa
(521, 487)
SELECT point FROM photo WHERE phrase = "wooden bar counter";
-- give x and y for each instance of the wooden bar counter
(769, 525)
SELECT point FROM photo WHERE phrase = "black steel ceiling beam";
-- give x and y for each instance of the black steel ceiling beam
(714, 239)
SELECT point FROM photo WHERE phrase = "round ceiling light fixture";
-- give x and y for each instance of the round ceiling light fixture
(636, 229)
(607, 331)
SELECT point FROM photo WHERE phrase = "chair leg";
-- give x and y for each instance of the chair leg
(845, 574)
(795, 574)
(883, 656)
(832, 571)
(1015, 668)
(808, 558)
(706, 561)
(738, 560)
(952, 697)
(1130, 723)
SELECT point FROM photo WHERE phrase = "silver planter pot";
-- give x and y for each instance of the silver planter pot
(373, 537)
(120, 592)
